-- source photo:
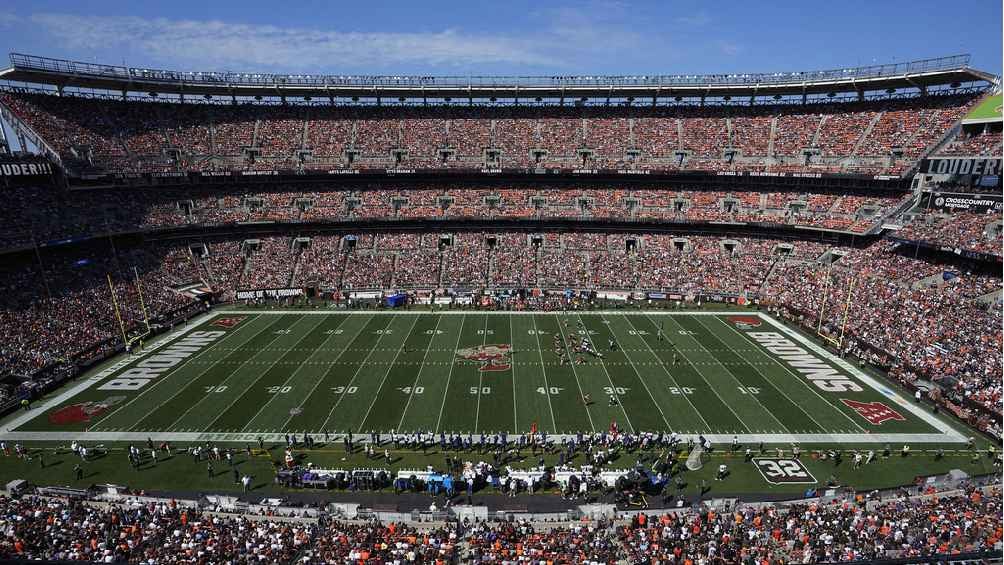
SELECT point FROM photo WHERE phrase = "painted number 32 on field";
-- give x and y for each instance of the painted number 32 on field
(784, 471)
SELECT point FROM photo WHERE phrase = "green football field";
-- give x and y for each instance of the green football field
(235, 375)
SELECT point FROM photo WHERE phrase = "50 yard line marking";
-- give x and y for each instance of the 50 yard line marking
(453, 363)
(481, 376)
(163, 378)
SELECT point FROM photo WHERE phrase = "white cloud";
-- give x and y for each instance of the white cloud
(694, 20)
(569, 38)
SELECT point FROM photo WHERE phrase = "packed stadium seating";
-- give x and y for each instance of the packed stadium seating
(43, 215)
(873, 137)
(849, 529)
(901, 314)
(980, 233)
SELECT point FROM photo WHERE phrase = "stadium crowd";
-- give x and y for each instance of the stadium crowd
(875, 137)
(851, 529)
(968, 231)
(904, 310)
(44, 215)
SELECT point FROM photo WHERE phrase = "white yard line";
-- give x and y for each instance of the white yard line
(668, 374)
(950, 433)
(543, 373)
(164, 378)
(449, 376)
(571, 363)
(292, 375)
(792, 373)
(234, 373)
(390, 367)
(418, 375)
(613, 387)
(640, 378)
(321, 379)
(512, 352)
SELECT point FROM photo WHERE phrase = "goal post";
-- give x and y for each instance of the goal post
(837, 341)
(126, 340)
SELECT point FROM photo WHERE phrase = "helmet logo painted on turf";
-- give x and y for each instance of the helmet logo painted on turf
(492, 357)
(83, 411)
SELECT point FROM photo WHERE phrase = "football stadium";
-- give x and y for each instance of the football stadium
(352, 317)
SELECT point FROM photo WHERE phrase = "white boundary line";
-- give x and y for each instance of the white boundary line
(40, 408)
(949, 435)
(496, 312)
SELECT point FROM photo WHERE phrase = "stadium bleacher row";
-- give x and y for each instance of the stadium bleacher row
(41, 215)
(872, 137)
(853, 529)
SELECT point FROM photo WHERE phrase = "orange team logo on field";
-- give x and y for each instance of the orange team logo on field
(83, 411)
(228, 322)
(492, 357)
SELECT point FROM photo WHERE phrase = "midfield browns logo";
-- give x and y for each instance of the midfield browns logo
(745, 322)
(874, 412)
(492, 357)
(227, 322)
(83, 411)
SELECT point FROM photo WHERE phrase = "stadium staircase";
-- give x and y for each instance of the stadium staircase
(773, 133)
(294, 273)
(254, 136)
(819, 129)
(679, 134)
(866, 133)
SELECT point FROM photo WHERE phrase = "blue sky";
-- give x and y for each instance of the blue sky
(509, 37)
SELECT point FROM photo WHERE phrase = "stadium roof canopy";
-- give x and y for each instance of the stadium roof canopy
(922, 74)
